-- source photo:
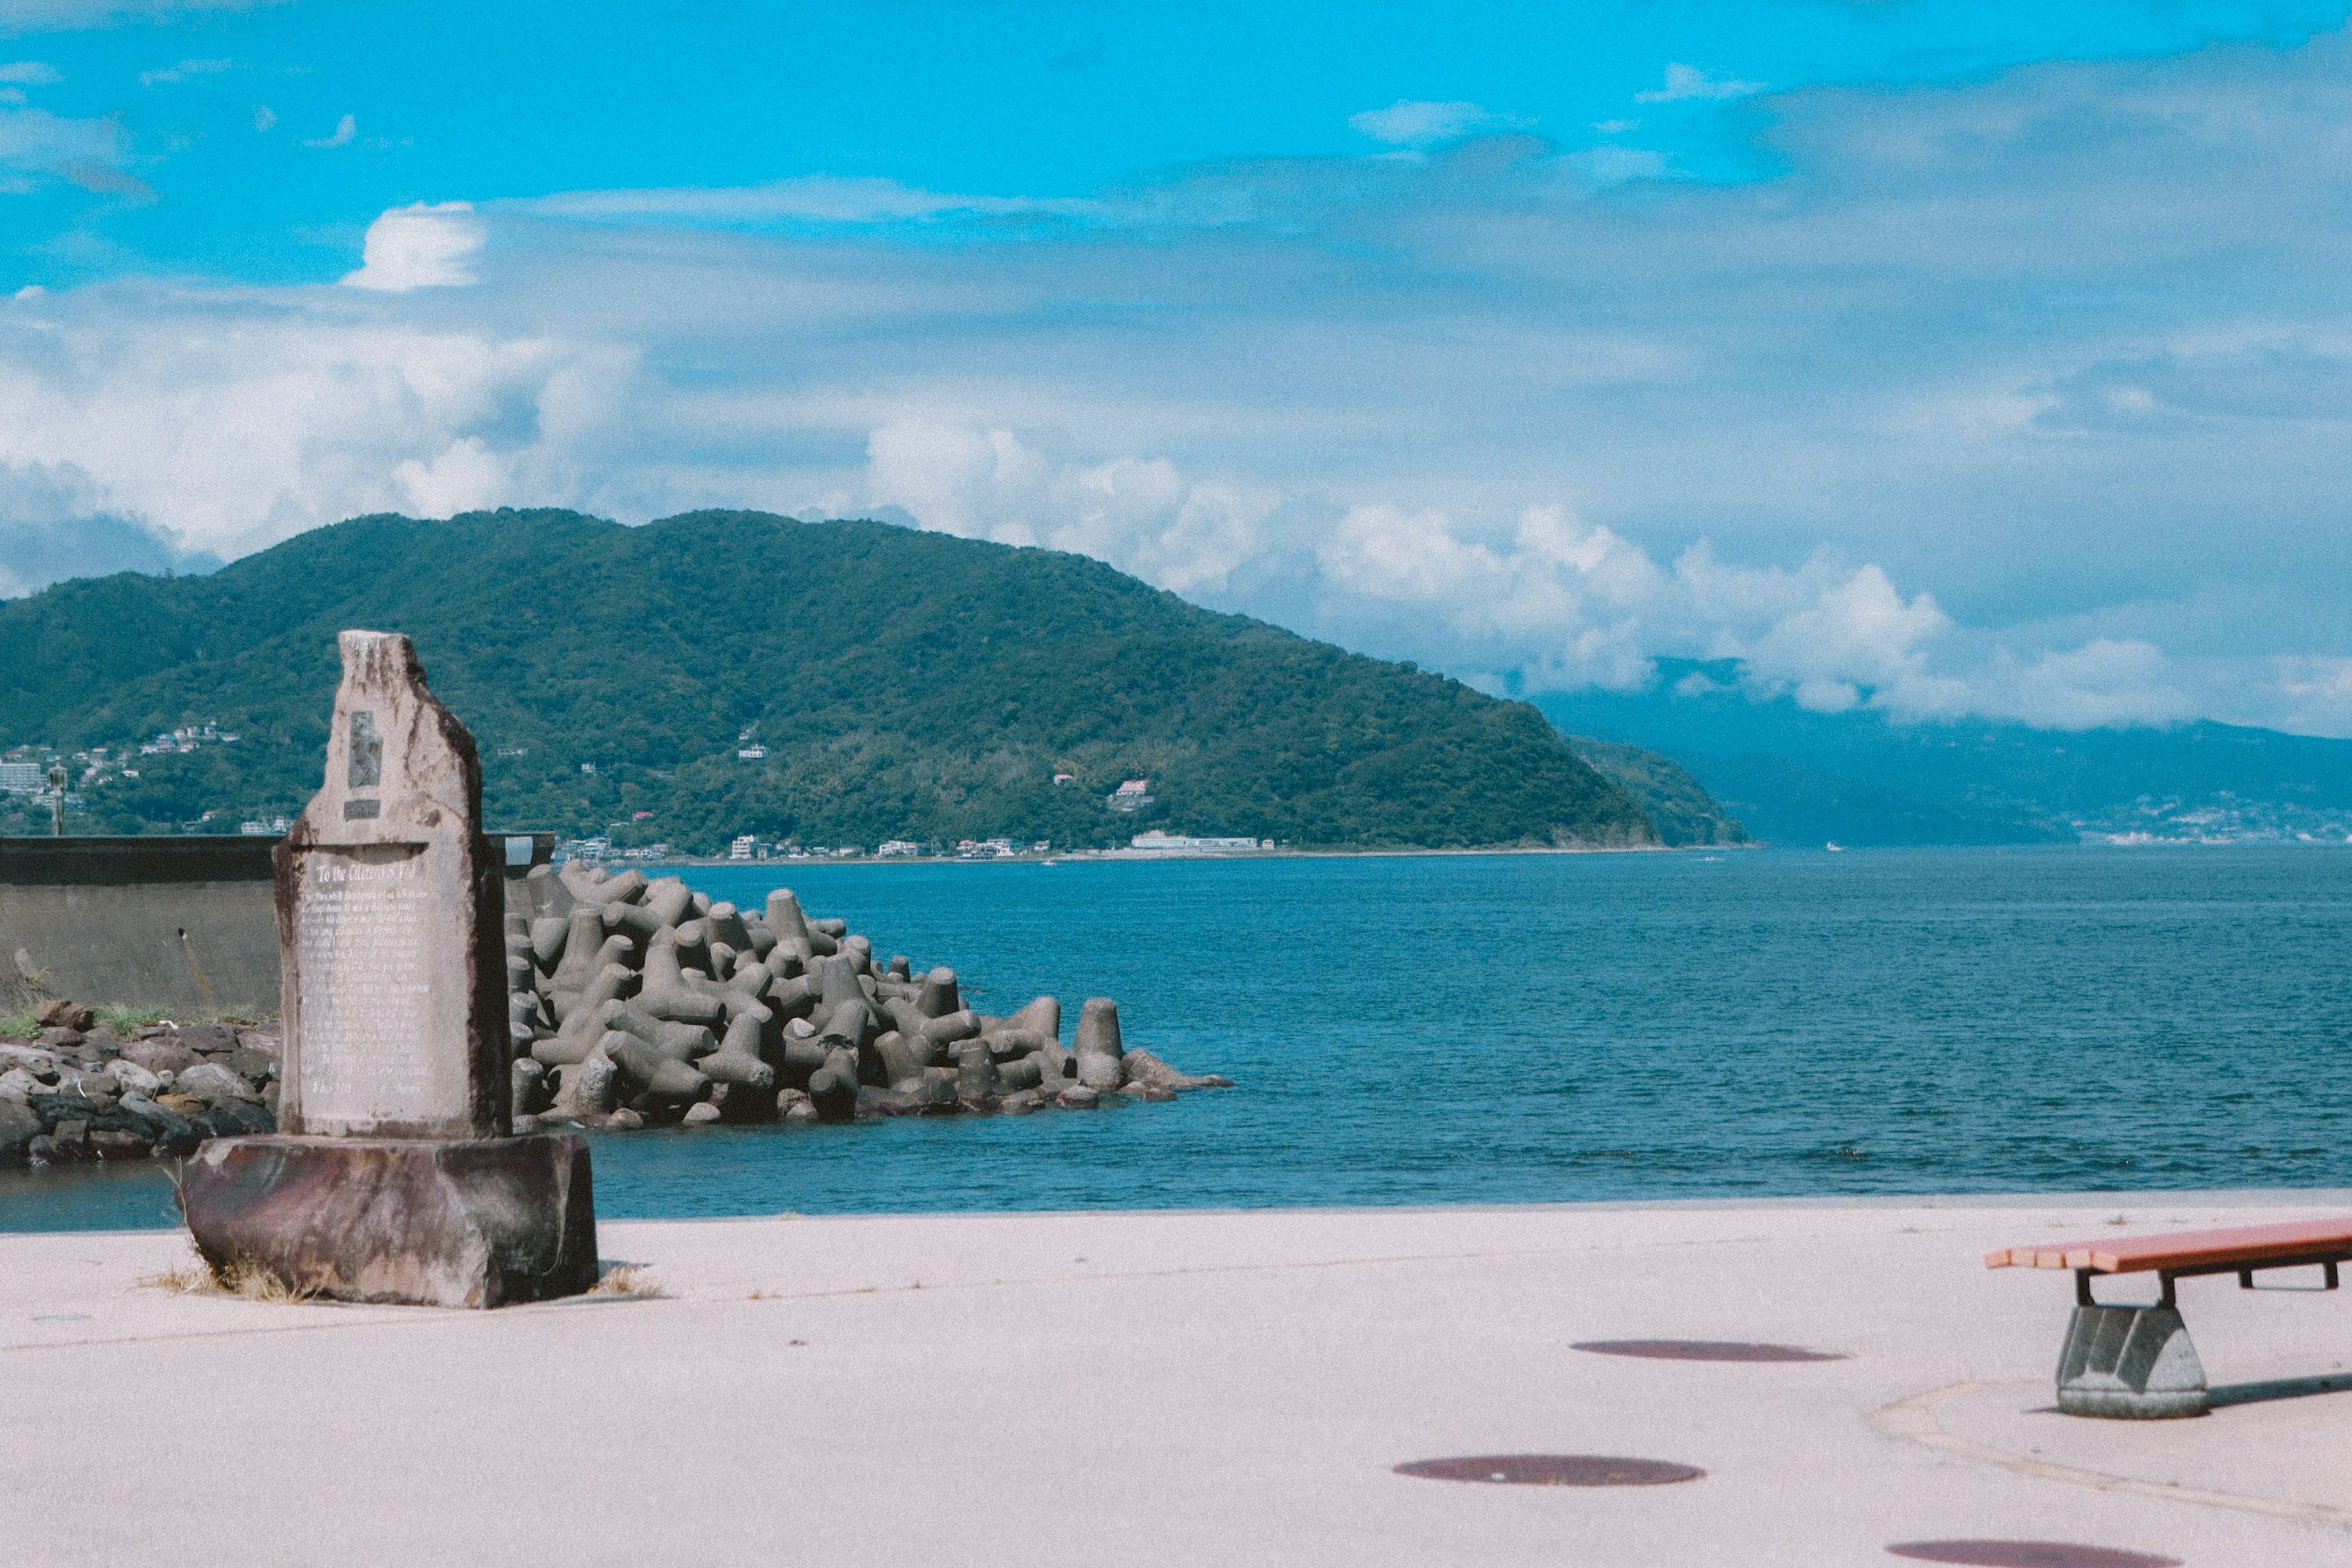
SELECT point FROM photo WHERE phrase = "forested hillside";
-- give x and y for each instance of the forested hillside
(902, 683)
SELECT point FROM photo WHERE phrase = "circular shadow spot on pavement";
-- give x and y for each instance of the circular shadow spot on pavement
(2028, 1554)
(1553, 1470)
(1703, 1350)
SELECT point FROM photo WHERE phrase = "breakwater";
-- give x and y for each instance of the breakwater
(634, 1001)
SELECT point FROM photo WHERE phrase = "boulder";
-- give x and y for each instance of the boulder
(115, 1146)
(700, 1114)
(209, 1038)
(212, 1082)
(18, 1127)
(130, 1076)
(1079, 1097)
(250, 1065)
(174, 1133)
(160, 1054)
(60, 1013)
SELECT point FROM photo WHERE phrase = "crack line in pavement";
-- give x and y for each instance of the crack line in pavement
(1914, 1418)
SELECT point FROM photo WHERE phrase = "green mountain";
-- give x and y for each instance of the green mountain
(1678, 805)
(903, 684)
(1798, 777)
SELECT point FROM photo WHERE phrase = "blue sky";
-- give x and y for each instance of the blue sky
(1958, 359)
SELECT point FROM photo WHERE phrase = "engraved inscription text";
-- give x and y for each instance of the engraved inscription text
(363, 931)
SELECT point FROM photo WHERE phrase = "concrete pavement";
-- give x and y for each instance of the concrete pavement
(1182, 1387)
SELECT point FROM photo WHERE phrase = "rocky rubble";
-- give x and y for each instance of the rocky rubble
(634, 1001)
(77, 1093)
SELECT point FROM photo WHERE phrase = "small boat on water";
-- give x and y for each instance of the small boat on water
(1835, 848)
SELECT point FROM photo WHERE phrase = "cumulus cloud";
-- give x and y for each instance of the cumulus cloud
(238, 424)
(1684, 83)
(1554, 602)
(1139, 514)
(426, 244)
(1414, 124)
(29, 73)
(55, 523)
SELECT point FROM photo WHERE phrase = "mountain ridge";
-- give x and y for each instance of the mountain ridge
(904, 683)
(1793, 775)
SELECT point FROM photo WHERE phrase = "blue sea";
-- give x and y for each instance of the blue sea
(1439, 1029)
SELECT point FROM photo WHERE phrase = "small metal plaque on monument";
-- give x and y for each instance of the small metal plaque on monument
(394, 1177)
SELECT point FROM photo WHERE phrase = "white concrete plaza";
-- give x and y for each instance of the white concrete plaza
(1172, 1387)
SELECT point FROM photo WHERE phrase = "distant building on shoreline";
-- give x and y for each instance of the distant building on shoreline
(1155, 839)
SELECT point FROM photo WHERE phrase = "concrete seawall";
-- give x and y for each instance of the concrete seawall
(184, 925)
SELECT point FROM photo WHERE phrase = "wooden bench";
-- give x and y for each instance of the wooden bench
(2137, 1362)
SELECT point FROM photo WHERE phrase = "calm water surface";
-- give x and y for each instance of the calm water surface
(1557, 1028)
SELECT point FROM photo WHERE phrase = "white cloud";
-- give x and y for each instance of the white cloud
(1554, 603)
(29, 73)
(239, 422)
(89, 153)
(1139, 514)
(810, 199)
(1685, 82)
(264, 117)
(2318, 692)
(184, 71)
(345, 130)
(421, 246)
(1412, 124)
(57, 523)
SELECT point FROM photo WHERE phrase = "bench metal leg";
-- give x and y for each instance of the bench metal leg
(2129, 1363)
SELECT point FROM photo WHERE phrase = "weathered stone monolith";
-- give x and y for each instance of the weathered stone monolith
(394, 1177)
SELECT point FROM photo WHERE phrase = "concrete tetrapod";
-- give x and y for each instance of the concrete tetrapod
(765, 1002)
(1098, 1046)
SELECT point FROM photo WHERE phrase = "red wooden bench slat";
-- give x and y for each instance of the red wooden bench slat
(2181, 1250)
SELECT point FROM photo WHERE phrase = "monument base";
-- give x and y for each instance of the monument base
(422, 1222)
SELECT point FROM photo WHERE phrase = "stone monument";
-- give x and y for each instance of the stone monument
(394, 1177)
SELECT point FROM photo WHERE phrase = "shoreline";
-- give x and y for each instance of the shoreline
(1057, 856)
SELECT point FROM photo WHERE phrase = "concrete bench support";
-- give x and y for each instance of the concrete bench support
(2133, 1364)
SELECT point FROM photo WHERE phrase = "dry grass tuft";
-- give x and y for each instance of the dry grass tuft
(246, 1281)
(192, 1278)
(625, 1280)
(256, 1283)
